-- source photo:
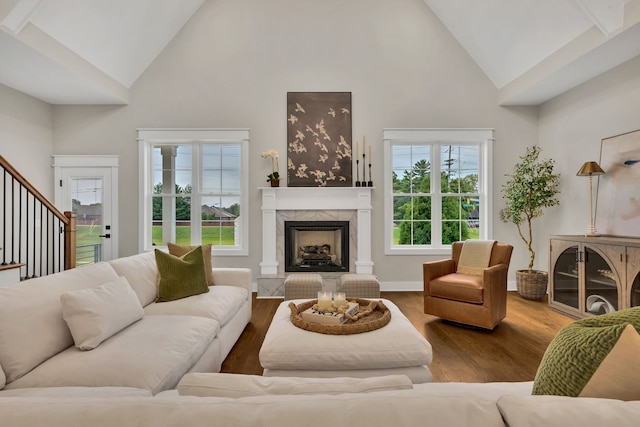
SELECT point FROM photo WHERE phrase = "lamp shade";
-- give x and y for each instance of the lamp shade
(589, 169)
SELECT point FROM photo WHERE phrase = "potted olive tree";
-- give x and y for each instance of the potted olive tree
(531, 187)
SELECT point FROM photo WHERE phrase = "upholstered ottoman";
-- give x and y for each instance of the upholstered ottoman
(396, 348)
(359, 285)
(302, 285)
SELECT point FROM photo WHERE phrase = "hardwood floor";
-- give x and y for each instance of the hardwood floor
(511, 352)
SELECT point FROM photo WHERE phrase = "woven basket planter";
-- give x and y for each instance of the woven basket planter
(532, 284)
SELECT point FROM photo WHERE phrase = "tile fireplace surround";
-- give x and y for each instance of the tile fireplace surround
(282, 204)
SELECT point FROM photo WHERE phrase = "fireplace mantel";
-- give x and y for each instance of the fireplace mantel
(316, 198)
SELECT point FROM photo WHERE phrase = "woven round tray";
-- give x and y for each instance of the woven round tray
(380, 316)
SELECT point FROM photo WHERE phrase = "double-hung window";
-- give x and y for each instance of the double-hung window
(437, 188)
(193, 187)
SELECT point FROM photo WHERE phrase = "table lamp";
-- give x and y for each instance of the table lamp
(589, 169)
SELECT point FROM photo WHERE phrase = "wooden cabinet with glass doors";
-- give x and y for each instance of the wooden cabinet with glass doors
(593, 275)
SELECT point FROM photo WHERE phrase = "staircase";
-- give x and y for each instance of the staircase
(36, 239)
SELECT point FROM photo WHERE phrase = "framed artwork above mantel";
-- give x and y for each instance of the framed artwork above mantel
(319, 139)
(618, 197)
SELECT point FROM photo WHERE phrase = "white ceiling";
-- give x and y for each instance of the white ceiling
(91, 52)
(533, 50)
(84, 51)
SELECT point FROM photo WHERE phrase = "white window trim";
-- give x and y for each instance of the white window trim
(484, 137)
(149, 137)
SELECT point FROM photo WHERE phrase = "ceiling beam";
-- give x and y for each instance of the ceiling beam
(585, 57)
(38, 58)
(18, 14)
(607, 15)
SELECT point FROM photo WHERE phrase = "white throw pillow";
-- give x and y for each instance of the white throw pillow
(142, 273)
(237, 386)
(95, 314)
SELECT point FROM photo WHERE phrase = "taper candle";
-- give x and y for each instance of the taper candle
(369, 154)
(357, 145)
(364, 148)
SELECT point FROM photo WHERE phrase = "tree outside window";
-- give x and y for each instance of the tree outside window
(428, 213)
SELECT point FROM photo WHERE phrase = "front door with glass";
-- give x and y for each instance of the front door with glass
(89, 193)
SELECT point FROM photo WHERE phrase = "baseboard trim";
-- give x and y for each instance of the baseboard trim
(391, 287)
(401, 286)
(418, 286)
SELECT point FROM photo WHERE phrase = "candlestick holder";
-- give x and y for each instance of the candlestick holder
(358, 183)
(370, 182)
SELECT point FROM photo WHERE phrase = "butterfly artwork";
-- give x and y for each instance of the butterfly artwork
(319, 139)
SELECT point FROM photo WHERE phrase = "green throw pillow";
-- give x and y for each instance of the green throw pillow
(181, 251)
(180, 277)
(577, 351)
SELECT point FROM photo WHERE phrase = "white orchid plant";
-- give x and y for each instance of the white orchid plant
(273, 154)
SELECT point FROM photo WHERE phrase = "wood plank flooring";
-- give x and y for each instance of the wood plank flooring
(511, 352)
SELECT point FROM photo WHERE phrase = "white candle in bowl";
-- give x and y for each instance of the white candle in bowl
(324, 300)
(340, 299)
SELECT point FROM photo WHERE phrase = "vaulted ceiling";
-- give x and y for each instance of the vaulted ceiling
(91, 52)
(84, 51)
(533, 50)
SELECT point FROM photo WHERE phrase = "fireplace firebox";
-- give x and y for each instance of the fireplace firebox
(316, 246)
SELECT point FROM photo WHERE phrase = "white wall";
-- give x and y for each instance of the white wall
(234, 62)
(26, 137)
(571, 128)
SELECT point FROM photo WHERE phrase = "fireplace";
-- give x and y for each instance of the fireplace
(282, 204)
(316, 246)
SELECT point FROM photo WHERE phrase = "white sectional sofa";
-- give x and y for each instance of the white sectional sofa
(192, 334)
(428, 404)
(149, 373)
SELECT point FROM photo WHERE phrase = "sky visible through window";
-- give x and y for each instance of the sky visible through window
(87, 191)
(224, 159)
(456, 160)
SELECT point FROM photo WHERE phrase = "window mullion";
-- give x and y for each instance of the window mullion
(436, 197)
(145, 188)
(196, 193)
(168, 188)
(485, 183)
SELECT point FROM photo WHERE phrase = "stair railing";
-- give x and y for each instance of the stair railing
(34, 235)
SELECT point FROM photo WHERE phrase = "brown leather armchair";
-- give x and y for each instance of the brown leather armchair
(468, 299)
